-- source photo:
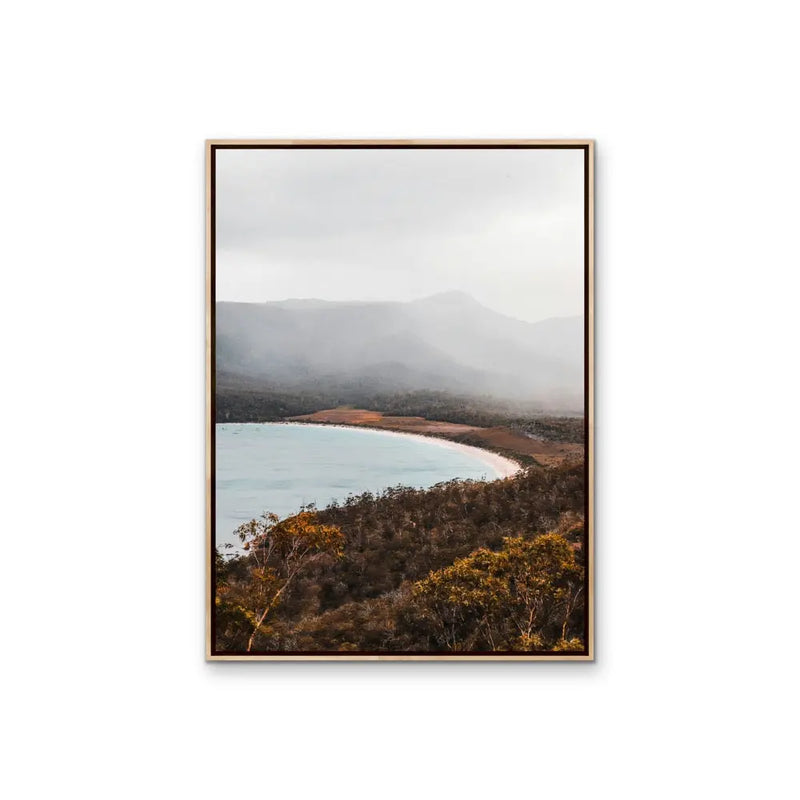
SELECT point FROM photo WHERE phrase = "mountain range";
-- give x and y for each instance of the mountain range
(447, 342)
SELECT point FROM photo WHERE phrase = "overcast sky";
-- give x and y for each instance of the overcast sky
(506, 226)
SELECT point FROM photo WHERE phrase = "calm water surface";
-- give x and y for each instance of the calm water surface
(279, 467)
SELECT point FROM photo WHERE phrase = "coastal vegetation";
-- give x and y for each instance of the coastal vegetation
(464, 566)
(461, 567)
(278, 551)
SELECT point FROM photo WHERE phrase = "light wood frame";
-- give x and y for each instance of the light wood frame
(588, 146)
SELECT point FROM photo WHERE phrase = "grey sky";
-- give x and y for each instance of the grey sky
(506, 226)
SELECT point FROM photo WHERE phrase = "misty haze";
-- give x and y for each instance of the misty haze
(447, 342)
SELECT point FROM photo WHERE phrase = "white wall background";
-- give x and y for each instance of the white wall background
(106, 106)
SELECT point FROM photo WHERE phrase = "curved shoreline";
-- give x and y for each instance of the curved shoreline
(504, 467)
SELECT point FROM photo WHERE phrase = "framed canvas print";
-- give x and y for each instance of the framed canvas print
(399, 395)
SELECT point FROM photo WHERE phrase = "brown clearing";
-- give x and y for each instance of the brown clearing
(499, 438)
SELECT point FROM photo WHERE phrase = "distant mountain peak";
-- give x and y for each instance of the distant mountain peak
(447, 342)
(453, 297)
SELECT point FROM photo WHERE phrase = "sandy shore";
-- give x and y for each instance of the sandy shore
(502, 466)
(510, 442)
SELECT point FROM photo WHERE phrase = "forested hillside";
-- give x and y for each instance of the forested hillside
(464, 566)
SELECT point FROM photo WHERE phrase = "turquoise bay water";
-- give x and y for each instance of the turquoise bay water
(279, 467)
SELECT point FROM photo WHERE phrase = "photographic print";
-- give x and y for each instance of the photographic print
(399, 379)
